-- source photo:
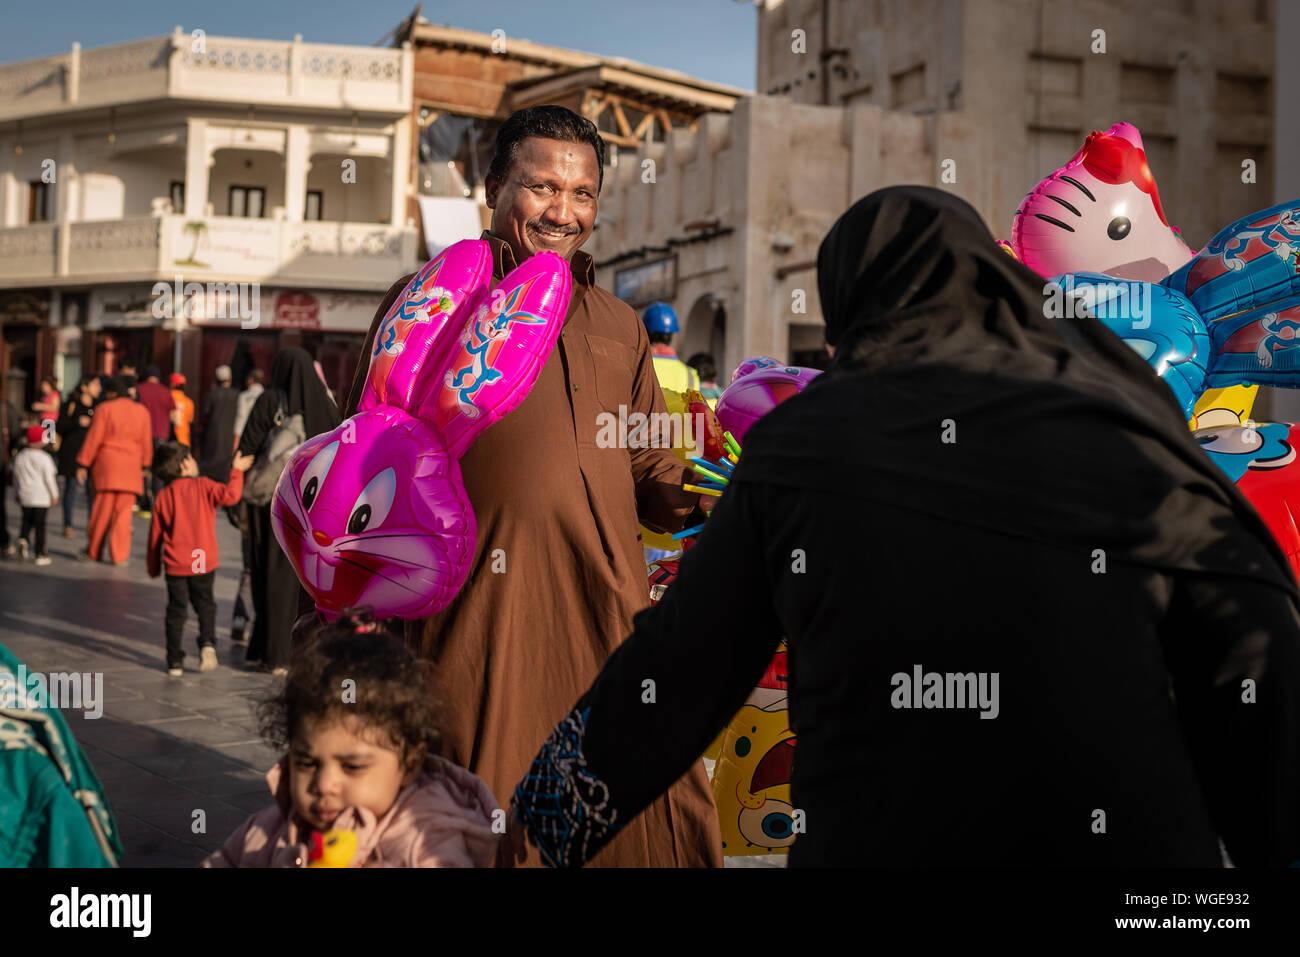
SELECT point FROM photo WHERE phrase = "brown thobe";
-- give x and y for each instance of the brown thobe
(558, 569)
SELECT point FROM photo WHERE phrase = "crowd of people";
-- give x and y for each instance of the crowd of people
(937, 499)
(124, 443)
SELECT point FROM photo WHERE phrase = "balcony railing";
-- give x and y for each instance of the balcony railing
(230, 69)
(212, 248)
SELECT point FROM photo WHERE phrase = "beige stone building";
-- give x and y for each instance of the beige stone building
(853, 95)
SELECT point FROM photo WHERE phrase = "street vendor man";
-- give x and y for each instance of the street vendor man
(558, 569)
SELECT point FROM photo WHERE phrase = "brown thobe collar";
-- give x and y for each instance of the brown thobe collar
(581, 265)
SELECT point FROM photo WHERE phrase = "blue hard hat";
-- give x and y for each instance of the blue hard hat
(659, 317)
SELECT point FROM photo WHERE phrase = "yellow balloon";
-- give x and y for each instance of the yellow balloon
(1230, 405)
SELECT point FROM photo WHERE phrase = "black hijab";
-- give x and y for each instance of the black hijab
(953, 394)
(293, 374)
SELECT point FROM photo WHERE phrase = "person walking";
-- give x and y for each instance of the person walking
(1030, 623)
(219, 436)
(183, 543)
(278, 597)
(117, 451)
(243, 610)
(37, 485)
(157, 398)
(183, 414)
(10, 440)
(47, 406)
(73, 425)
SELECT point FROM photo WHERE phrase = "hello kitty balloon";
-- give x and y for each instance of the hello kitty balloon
(375, 512)
(1099, 213)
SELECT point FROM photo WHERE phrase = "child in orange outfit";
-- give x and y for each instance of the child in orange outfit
(358, 720)
(183, 540)
(117, 450)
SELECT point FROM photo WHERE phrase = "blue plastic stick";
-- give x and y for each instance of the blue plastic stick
(686, 533)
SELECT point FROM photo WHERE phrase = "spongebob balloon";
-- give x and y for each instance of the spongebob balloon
(751, 780)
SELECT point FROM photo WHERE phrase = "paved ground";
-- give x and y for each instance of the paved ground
(164, 747)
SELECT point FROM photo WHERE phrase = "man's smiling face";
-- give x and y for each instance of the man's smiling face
(547, 199)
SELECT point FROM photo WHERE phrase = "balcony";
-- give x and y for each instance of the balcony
(211, 69)
(363, 256)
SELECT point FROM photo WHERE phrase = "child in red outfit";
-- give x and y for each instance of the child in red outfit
(183, 541)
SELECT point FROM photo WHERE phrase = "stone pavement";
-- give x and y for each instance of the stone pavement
(164, 747)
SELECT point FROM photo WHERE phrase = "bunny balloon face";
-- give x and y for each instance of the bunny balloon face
(375, 512)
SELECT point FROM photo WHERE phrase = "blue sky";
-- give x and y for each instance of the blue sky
(712, 39)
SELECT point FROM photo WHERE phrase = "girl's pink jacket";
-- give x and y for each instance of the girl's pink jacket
(443, 819)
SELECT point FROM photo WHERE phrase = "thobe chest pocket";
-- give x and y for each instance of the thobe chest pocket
(614, 368)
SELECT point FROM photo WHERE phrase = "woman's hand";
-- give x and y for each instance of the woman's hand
(81, 476)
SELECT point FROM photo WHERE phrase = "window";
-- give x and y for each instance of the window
(1142, 83)
(315, 199)
(177, 193)
(247, 201)
(38, 202)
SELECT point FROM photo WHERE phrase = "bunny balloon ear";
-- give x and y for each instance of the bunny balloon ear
(500, 354)
(423, 325)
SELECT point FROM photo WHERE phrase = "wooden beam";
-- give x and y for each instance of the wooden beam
(664, 121)
(628, 142)
(646, 121)
(623, 126)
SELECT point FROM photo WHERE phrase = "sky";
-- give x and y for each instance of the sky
(712, 39)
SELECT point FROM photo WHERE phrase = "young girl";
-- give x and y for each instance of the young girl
(358, 720)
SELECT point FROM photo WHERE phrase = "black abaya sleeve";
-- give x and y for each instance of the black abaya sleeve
(662, 696)
(1232, 647)
(261, 419)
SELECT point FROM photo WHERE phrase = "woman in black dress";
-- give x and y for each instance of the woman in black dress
(75, 414)
(277, 595)
(1029, 622)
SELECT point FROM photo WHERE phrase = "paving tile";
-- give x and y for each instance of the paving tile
(256, 756)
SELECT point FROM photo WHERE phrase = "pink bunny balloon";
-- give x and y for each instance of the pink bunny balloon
(1100, 212)
(375, 512)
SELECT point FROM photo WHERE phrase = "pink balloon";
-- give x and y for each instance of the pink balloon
(375, 512)
(758, 391)
(502, 350)
(1100, 212)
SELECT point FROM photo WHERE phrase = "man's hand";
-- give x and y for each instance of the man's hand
(513, 848)
(244, 462)
(81, 476)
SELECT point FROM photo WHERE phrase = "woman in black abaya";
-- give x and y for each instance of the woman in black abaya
(970, 489)
(277, 593)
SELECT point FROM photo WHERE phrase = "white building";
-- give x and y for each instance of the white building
(278, 167)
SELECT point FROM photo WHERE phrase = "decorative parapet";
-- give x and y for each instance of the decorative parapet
(213, 248)
(212, 68)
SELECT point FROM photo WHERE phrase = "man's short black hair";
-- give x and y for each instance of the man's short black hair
(255, 375)
(660, 338)
(548, 123)
(167, 459)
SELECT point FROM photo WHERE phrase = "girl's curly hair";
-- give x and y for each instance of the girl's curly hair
(391, 689)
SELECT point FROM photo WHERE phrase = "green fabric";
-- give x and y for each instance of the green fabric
(53, 812)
